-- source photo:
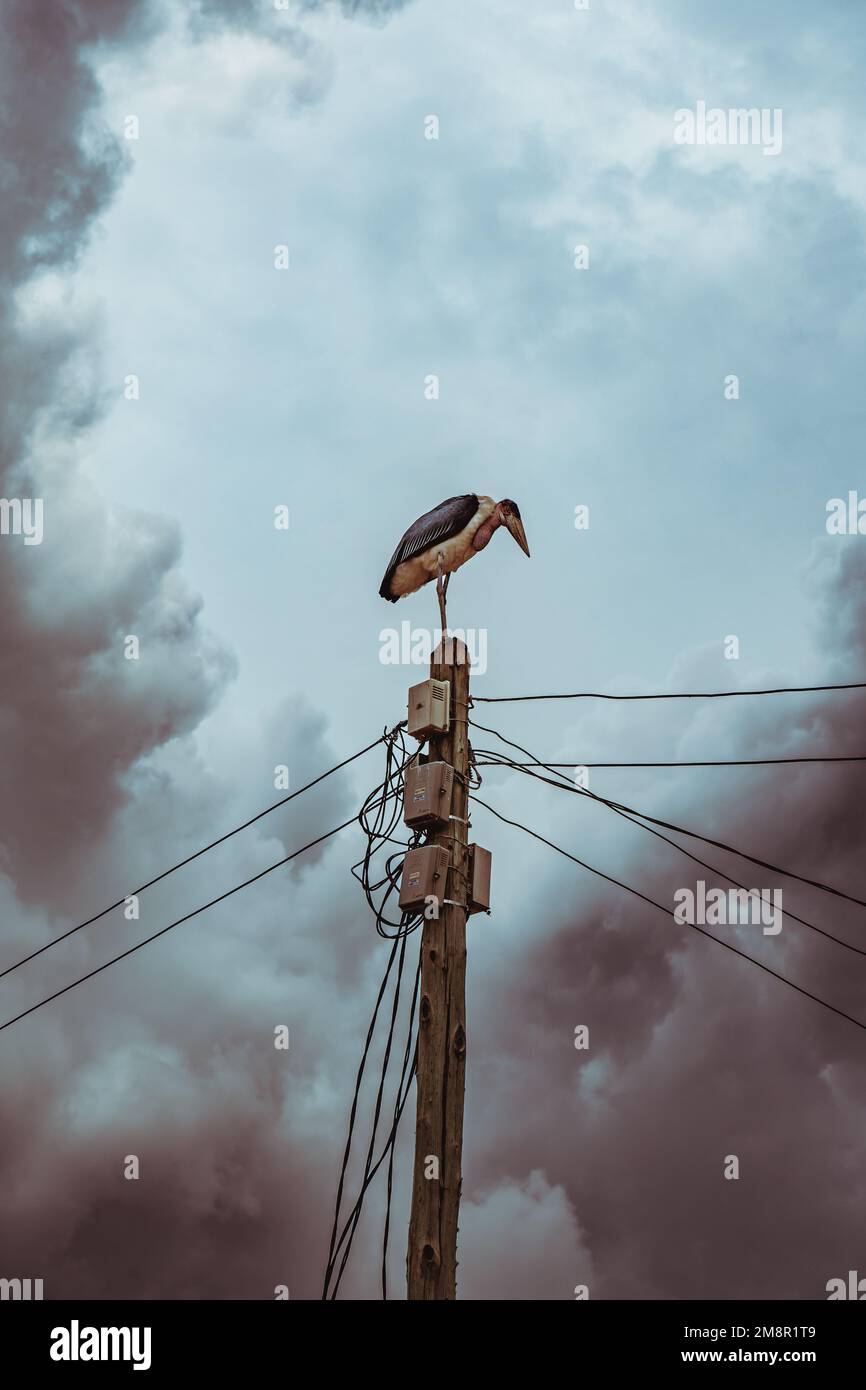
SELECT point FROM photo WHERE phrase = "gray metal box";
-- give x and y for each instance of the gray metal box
(480, 865)
(427, 794)
(429, 708)
(424, 873)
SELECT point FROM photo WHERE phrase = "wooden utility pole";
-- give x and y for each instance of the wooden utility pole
(431, 1262)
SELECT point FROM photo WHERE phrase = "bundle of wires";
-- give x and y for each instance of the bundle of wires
(379, 817)
(378, 873)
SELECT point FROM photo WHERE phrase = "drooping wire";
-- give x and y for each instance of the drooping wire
(652, 902)
(632, 819)
(406, 1079)
(378, 818)
(715, 762)
(178, 922)
(678, 829)
(378, 872)
(342, 1244)
(191, 857)
(677, 695)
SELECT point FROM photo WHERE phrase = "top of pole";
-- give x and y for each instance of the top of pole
(450, 651)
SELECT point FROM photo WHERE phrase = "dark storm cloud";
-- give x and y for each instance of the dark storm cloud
(174, 1061)
(103, 786)
(53, 185)
(76, 713)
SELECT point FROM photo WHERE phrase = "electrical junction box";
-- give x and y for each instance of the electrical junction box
(429, 709)
(424, 873)
(480, 865)
(427, 794)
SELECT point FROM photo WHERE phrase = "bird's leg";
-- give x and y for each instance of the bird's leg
(441, 589)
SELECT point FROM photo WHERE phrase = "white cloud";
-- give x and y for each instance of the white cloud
(521, 1240)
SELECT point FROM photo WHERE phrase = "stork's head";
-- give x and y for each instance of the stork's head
(508, 513)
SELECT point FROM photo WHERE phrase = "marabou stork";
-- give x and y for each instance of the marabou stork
(439, 542)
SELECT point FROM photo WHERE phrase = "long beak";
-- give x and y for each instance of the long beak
(515, 526)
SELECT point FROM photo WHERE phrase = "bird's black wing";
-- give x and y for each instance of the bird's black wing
(440, 524)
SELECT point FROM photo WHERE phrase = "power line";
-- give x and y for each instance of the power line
(644, 898)
(632, 817)
(178, 922)
(716, 762)
(378, 818)
(679, 695)
(333, 1276)
(681, 830)
(682, 850)
(329, 1289)
(190, 857)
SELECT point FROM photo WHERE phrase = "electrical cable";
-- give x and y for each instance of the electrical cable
(190, 857)
(838, 940)
(651, 901)
(678, 695)
(178, 922)
(681, 830)
(717, 762)
(379, 816)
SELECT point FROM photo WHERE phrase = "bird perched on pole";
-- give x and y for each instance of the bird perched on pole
(442, 540)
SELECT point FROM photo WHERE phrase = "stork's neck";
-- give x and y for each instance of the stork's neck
(486, 529)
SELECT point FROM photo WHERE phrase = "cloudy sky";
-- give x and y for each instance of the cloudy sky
(154, 258)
